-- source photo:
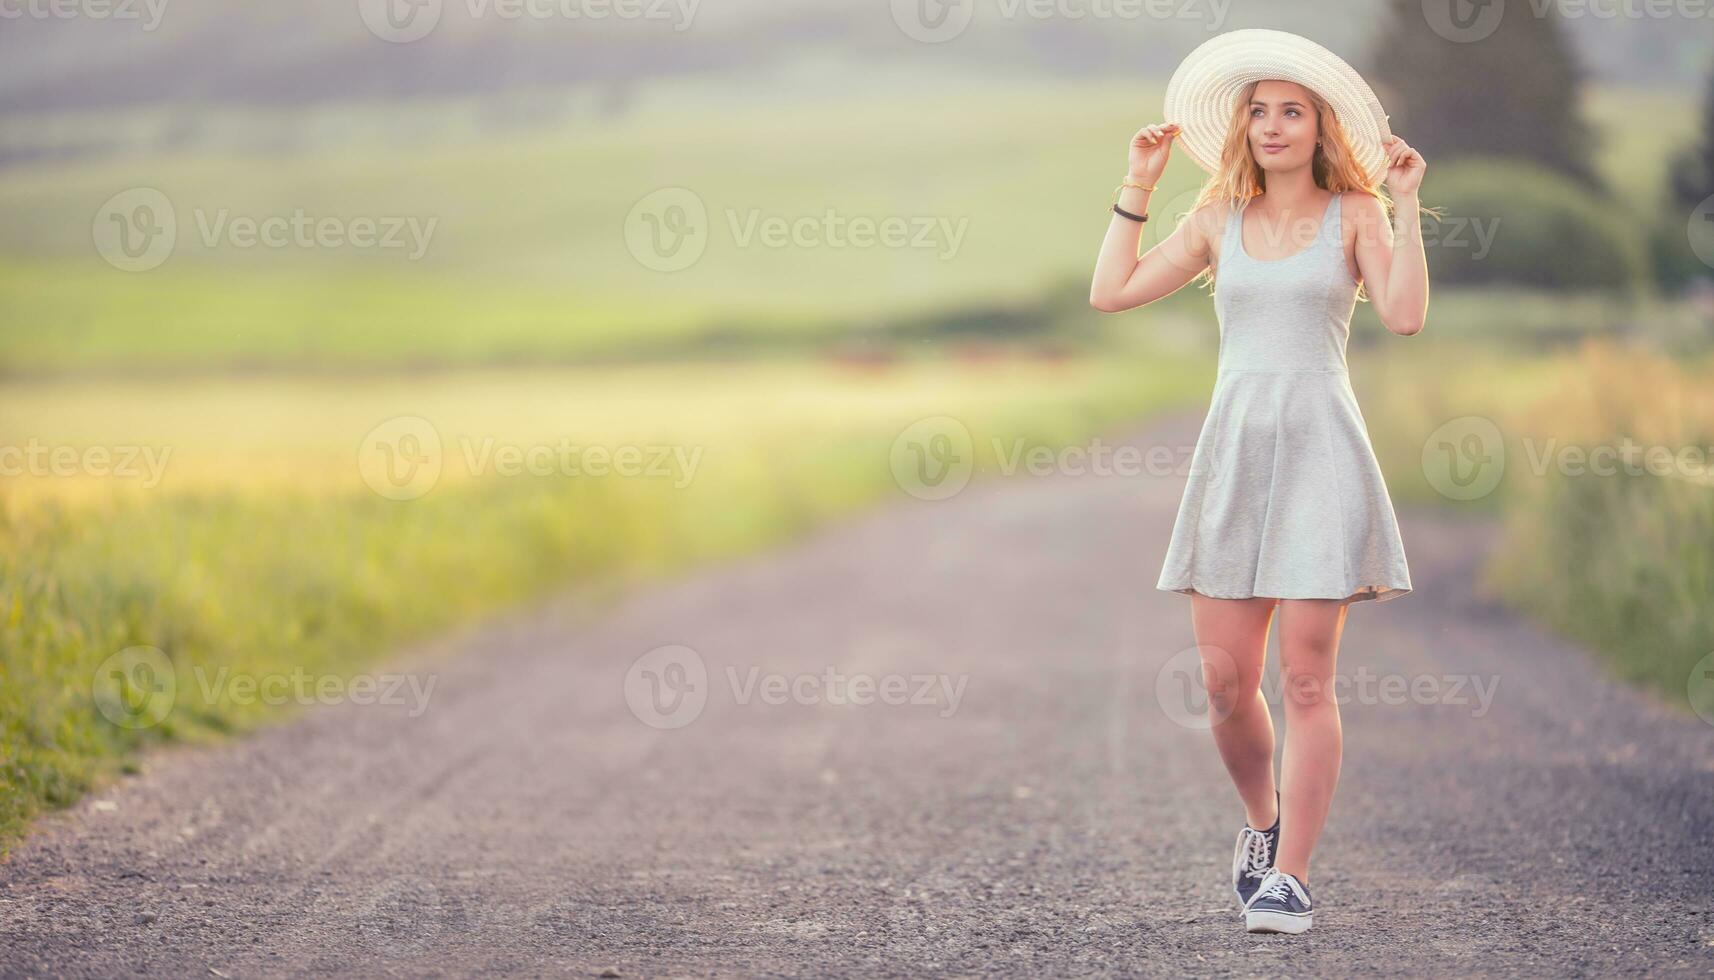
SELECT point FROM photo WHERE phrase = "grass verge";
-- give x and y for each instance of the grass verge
(316, 574)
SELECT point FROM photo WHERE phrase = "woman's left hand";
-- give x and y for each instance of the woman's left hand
(1405, 166)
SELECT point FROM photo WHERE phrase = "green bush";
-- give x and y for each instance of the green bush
(1514, 223)
(1673, 261)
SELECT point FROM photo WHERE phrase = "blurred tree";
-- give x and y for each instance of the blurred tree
(1514, 93)
(1691, 178)
(1690, 181)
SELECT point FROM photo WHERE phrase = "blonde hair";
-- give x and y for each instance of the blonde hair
(1238, 177)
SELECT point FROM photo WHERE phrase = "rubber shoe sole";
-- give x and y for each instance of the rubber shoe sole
(1268, 921)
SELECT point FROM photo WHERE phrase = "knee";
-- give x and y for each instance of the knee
(1307, 681)
(1230, 689)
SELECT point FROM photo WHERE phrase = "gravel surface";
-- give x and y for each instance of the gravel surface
(1043, 803)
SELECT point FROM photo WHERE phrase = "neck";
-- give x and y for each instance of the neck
(1292, 190)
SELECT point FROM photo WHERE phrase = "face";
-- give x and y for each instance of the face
(1283, 125)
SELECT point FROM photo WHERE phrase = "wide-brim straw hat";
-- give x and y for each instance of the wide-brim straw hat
(1203, 92)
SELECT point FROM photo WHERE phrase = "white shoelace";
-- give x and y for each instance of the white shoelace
(1256, 860)
(1280, 889)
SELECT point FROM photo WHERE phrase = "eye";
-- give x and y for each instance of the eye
(1294, 112)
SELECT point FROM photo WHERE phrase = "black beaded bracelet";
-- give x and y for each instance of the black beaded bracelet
(1126, 214)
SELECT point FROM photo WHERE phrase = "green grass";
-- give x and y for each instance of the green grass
(263, 552)
(530, 254)
(1639, 131)
(529, 258)
(1621, 562)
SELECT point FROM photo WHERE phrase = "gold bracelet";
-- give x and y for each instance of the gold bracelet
(1129, 183)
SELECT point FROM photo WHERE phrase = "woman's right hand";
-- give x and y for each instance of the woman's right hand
(1149, 151)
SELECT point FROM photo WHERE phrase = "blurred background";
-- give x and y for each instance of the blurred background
(313, 312)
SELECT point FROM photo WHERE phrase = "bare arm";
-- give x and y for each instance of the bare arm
(1390, 254)
(1124, 282)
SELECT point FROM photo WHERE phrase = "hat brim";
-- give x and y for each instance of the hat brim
(1202, 94)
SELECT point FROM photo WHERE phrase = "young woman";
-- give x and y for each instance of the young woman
(1285, 508)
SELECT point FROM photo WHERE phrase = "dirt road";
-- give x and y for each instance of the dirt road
(1028, 791)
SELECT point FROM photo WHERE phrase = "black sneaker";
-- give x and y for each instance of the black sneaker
(1281, 905)
(1254, 857)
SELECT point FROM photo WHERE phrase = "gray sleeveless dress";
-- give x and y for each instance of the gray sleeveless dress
(1285, 498)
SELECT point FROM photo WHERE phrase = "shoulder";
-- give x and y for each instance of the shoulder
(1207, 223)
(1211, 217)
(1361, 208)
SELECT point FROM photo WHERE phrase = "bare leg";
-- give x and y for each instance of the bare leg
(1309, 648)
(1233, 635)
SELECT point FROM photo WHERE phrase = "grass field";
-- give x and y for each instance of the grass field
(262, 549)
(1612, 555)
(1000, 187)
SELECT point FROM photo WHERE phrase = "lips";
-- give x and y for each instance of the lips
(1273, 146)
